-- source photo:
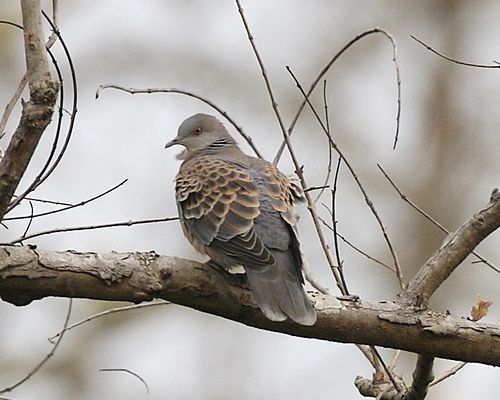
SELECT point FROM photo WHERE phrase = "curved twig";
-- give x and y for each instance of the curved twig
(327, 67)
(107, 312)
(466, 64)
(210, 103)
(128, 372)
(45, 359)
(69, 206)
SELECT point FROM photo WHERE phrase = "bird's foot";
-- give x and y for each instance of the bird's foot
(349, 297)
(238, 279)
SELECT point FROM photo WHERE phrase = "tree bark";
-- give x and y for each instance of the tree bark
(29, 274)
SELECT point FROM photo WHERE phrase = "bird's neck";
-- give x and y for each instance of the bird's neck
(222, 146)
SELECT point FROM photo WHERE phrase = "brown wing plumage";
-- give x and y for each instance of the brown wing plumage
(218, 203)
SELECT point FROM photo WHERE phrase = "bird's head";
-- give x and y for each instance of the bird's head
(201, 132)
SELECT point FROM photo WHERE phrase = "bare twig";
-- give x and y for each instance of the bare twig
(350, 244)
(210, 103)
(30, 219)
(17, 94)
(334, 225)
(312, 188)
(387, 370)
(405, 198)
(24, 80)
(327, 67)
(466, 64)
(399, 273)
(128, 372)
(394, 360)
(70, 206)
(107, 312)
(330, 151)
(57, 203)
(298, 168)
(12, 103)
(91, 227)
(311, 279)
(447, 374)
(45, 359)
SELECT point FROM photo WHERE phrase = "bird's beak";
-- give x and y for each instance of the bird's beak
(173, 142)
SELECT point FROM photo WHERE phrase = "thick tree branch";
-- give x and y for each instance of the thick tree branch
(452, 252)
(27, 274)
(36, 113)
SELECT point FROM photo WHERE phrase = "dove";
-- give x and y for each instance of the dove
(239, 211)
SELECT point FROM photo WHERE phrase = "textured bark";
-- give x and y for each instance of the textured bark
(27, 275)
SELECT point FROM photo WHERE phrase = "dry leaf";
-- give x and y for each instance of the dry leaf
(480, 309)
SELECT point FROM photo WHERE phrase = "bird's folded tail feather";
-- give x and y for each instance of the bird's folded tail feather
(279, 293)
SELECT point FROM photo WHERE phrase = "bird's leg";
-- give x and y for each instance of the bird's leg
(237, 279)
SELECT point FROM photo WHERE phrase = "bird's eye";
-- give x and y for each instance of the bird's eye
(197, 131)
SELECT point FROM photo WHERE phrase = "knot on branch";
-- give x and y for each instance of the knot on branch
(44, 91)
(377, 389)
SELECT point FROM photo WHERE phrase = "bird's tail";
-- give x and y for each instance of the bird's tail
(279, 291)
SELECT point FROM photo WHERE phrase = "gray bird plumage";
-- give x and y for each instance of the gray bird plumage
(239, 210)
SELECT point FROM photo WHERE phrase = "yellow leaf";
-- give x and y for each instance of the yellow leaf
(480, 309)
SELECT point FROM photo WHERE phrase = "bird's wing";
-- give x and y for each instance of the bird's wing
(281, 190)
(218, 202)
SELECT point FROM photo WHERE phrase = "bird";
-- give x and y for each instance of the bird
(239, 210)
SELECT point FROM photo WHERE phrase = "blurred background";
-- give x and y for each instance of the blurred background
(446, 161)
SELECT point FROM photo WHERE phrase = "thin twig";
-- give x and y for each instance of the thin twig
(128, 372)
(210, 103)
(68, 207)
(467, 64)
(45, 359)
(399, 273)
(31, 219)
(57, 203)
(394, 360)
(312, 188)
(24, 80)
(311, 278)
(327, 67)
(12, 103)
(330, 152)
(90, 227)
(447, 374)
(387, 370)
(405, 198)
(334, 225)
(298, 168)
(350, 244)
(107, 312)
